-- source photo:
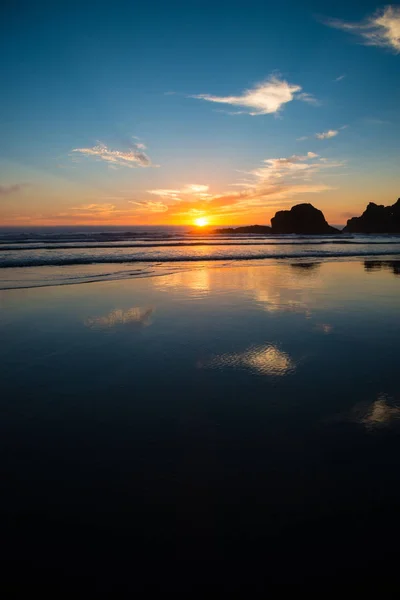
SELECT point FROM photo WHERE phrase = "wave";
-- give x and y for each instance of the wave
(92, 260)
(14, 248)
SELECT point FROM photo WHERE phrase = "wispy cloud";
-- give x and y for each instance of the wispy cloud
(309, 98)
(269, 186)
(380, 29)
(149, 207)
(265, 98)
(94, 208)
(104, 211)
(340, 78)
(5, 190)
(133, 157)
(325, 135)
(294, 168)
(273, 183)
(100, 212)
(196, 190)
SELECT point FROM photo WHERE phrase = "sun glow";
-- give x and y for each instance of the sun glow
(201, 222)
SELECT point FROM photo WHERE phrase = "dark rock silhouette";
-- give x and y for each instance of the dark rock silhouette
(259, 229)
(302, 219)
(376, 219)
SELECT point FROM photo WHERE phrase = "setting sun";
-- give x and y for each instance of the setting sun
(201, 222)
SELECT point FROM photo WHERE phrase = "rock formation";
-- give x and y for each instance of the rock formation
(259, 229)
(302, 219)
(376, 219)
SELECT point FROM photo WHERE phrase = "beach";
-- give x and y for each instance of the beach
(199, 298)
(198, 414)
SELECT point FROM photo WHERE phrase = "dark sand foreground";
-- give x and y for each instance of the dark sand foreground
(211, 426)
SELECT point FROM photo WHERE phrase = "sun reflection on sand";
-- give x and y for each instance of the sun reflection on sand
(134, 315)
(275, 287)
(197, 280)
(267, 360)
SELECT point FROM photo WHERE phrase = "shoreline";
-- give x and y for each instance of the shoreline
(198, 265)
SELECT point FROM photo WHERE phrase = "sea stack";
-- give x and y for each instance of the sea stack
(302, 219)
(376, 219)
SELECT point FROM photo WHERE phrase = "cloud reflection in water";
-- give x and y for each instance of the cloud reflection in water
(132, 316)
(197, 280)
(380, 413)
(267, 360)
(324, 328)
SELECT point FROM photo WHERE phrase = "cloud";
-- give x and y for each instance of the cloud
(340, 78)
(94, 208)
(274, 182)
(268, 186)
(96, 211)
(196, 190)
(293, 167)
(5, 190)
(381, 29)
(309, 98)
(166, 193)
(153, 207)
(265, 98)
(134, 157)
(325, 135)
(295, 158)
(105, 212)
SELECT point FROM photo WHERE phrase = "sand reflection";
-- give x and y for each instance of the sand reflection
(267, 360)
(371, 266)
(131, 316)
(276, 287)
(196, 280)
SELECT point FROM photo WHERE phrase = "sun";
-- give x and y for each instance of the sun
(201, 221)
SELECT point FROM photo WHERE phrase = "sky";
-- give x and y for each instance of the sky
(166, 112)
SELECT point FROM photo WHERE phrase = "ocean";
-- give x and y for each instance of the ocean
(65, 255)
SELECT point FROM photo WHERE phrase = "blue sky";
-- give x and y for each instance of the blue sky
(125, 112)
